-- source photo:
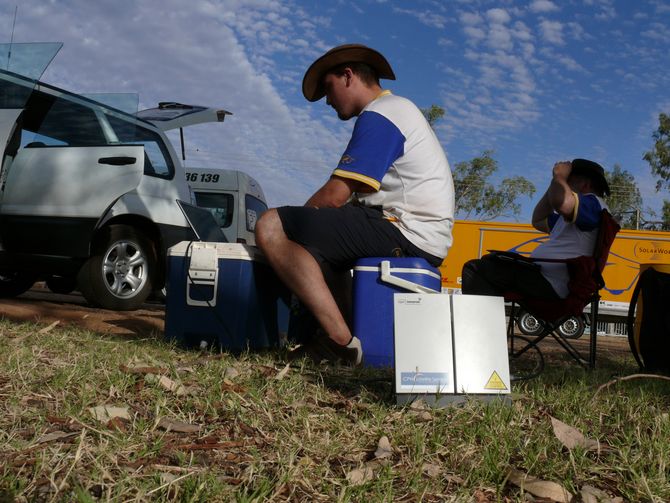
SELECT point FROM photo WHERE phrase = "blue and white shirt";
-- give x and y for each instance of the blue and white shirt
(394, 150)
(570, 238)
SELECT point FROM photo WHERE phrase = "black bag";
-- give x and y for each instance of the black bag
(649, 324)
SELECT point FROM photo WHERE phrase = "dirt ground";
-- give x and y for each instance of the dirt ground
(41, 305)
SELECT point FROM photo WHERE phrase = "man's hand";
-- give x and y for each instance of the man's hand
(562, 170)
(560, 194)
(321, 347)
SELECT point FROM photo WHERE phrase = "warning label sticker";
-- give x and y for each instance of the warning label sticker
(495, 382)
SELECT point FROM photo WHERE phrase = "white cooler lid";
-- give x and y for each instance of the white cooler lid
(236, 251)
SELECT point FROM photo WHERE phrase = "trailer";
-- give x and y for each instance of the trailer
(472, 239)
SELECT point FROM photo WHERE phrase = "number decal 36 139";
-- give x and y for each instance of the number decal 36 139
(204, 177)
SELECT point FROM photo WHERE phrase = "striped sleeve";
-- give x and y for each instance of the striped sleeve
(375, 145)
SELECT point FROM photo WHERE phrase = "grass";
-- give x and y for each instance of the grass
(308, 436)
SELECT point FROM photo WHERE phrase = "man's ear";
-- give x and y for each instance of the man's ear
(349, 75)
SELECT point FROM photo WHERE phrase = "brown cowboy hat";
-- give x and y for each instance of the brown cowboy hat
(312, 85)
(593, 171)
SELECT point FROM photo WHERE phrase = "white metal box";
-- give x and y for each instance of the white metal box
(449, 347)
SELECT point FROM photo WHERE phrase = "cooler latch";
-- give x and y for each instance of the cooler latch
(203, 277)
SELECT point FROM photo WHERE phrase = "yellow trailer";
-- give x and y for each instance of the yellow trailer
(472, 239)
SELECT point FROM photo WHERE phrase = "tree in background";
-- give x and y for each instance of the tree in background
(624, 201)
(476, 197)
(433, 114)
(665, 216)
(659, 157)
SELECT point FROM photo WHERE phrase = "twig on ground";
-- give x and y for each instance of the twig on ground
(628, 378)
(170, 483)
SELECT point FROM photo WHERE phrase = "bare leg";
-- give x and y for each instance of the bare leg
(340, 284)
(302, 274)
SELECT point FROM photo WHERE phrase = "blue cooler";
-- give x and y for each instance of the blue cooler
(220, 294)
(376, 279)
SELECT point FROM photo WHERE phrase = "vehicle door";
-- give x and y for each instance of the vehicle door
(67, 170)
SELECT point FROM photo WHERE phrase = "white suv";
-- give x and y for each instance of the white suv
(88, 193)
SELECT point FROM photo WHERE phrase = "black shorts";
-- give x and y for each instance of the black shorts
(340, 236)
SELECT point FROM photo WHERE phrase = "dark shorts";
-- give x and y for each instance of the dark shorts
(494, 274)
(340, 236)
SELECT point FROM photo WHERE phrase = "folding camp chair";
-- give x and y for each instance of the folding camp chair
(585, 282)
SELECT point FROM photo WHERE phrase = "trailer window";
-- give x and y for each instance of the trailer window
(255, 208)
(220, 205)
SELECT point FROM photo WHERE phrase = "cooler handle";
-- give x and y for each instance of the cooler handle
(387, 277)
(203, 270)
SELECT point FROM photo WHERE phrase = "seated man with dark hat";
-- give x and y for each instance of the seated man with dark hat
(390, 195)
(570, 212)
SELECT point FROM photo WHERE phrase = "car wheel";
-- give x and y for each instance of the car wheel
(15, 283)
(120, 274)
(572, 328)
(529, 324)
(61, 284)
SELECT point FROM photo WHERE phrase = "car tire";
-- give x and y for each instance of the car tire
(572, 328)
(529, 324)
(61, 284)
(15, 283)
(120, 274)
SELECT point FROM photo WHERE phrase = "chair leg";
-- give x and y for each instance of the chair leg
(526, 363)
(576, 355)
(594, 332)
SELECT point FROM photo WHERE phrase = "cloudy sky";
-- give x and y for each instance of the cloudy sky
(535, 81)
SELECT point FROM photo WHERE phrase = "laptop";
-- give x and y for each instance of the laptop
(203, 223)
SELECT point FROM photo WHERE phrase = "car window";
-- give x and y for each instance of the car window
(220, 205)
(52, 120)
(157, 160)
(12, 94)
(255, 208)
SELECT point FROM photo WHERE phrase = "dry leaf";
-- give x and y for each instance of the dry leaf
(167, 384)
(167, 478)
(592, 494)
(540, 488)
(142, 369)
(104, 413)
(431, 470)
(571, 437)
(422, 415)
(360, 476)
(419, 404)
(384, 449)
(266, 370)
(231, 372)
(169, 424)
(483, 495)
(56, 435)
(282, 373)
(455, 479)
(48, 329)
(117, 423)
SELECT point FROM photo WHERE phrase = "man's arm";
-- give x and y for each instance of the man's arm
(559, 197)
(336, 192)
(541, 212)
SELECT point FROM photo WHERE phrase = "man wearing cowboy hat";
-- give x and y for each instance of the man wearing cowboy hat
(570, 212)
(390, 195)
